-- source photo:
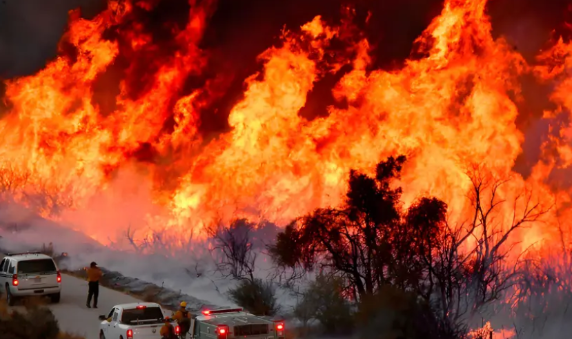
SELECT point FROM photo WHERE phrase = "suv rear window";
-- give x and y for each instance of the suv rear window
(148, 313)
(36, 266)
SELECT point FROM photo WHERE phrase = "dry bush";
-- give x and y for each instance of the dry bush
(394, 313)
(324, 301)
(34, 302)
(257, 297)
(38, 322)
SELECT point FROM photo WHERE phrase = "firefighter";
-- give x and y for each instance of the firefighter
(183, 318)
(168, 331)
(93, 275)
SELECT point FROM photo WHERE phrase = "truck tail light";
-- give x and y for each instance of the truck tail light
(15, 281)
(177, 330)
(129, 334)
(279, 328)
(222, 331)
(59, 277)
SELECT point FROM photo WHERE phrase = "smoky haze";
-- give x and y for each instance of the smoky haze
(191, 270)
(31, 29)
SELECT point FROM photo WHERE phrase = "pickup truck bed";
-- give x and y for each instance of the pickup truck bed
(136, 321)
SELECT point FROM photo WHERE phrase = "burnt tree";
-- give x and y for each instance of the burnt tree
(470, 265)
(234, 244)
(368, 241)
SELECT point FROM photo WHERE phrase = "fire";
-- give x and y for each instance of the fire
(137, 156)
(487, 332)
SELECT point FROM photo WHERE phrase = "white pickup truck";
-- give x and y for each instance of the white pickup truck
(132, 321)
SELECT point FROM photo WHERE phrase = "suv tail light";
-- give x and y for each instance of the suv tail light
(177, 330)
(59, 278)
(15, 281)
(129, 334)
(222, 331)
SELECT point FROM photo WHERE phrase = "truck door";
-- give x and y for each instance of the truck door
(114, 325)
(107, 324)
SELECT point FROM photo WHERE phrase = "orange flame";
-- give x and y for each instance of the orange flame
(447, 111)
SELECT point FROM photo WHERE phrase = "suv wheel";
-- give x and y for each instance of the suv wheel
(55, 298)
(10, 300)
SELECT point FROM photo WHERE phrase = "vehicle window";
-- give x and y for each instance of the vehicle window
(115, 316)
(37, 266)
(5, 266)
(149, 313)
(111, 313)
(11, 268)
(2, 265)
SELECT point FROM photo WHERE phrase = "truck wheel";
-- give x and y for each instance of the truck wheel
(101, 335)
(55, 298)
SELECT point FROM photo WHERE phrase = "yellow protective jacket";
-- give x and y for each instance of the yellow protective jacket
(94, 274)
(179, 315)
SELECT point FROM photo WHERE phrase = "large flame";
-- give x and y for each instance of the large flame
(448, 110)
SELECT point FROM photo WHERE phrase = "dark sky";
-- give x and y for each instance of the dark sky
(30, 29)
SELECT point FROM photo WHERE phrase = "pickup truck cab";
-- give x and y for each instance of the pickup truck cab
(235, 323)
(132, 321)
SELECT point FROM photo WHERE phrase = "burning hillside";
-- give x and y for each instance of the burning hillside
(124, 126)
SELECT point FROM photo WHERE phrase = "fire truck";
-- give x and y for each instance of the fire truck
(234, 323)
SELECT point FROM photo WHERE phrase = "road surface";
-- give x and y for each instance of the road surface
(72, 314)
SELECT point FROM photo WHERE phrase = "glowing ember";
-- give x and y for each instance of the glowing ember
(141, 160)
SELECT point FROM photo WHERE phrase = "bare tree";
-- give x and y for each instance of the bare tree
(470, 267)
(235, 244)
(44, 196)
(492, 272)
(12, 179)
(544, 293)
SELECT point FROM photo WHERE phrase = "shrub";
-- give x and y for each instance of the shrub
(37, 323)
(256, 296)
(324, 302)
(392, 313)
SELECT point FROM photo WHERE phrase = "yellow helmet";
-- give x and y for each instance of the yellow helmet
(183, 304)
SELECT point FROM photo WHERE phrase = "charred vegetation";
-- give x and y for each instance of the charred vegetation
(442, 277)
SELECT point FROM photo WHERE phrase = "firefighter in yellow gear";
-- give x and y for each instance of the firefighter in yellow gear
(183, 318)
(94, 274)
(167, 331)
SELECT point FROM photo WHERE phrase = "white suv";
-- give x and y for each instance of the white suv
(29, 274)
